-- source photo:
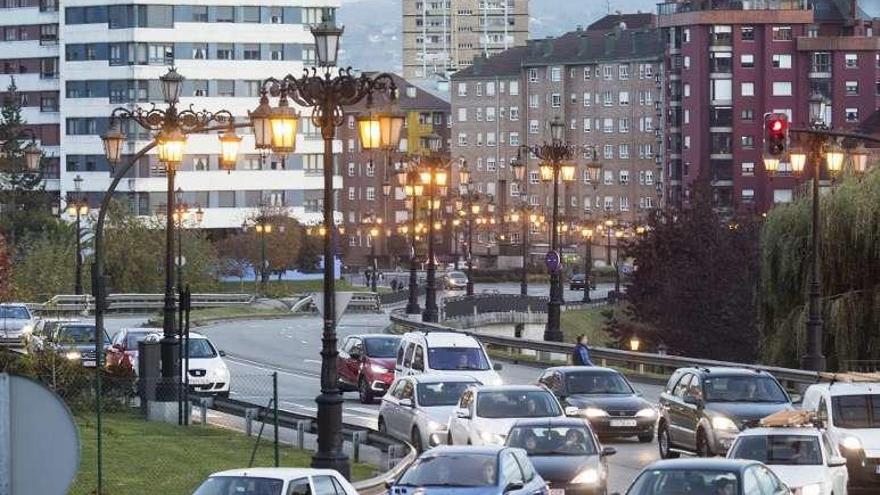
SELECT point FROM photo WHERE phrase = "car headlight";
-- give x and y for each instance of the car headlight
(648, 412)
(851, 443)
(435, 426)
(492, 438)
(812, 489)
(722, 423)
(375, 368)
(588, 476)
(73, 355)
(595, 412)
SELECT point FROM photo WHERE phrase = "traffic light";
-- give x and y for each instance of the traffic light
(775, 134)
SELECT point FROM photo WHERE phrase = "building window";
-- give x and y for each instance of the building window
(782, 195)
(556, 74)
(608, 72)
(852, 60)
(782, 33)
(514, 139)
(490, 114)
(251, 51)
(852, 88)
(782, 61)
(608, 154)
(623, 125)
(608, 98)
(276, 52)
(587, 98)
(852, 114)
(462, 139)
(462, 89)
(623, 98)
(225, 51)
(555, 100)
(514, 88)
(747, 142)
(513, 114)
(588, 71)
(225, 14)
(623, 72)
(747, 60)
(588, 125)
(747, 115)
(747, 33)
(748, 195)
(250, 14)
(533, 127)
(748, 168)
(608, 125)
(276, 15)
(371, 193)
(781, 88)
(462, 114)
(533, 75)
(226, 88)
(747, 89)
(351, 169)
(623, 151)
(534, 101)
(479, 89)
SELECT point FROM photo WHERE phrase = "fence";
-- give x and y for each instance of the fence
(133, 303)
(461, 306)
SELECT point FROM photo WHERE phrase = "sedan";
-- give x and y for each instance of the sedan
(76, 342)
(578, 281)
(208, 372)
(16, 321)
(455, 280)
(276, 481)
(566, 453)
(711, 476)
(417, 408)
(494, 470)
(605, 397)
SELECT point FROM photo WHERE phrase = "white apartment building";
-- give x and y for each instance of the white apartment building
(77, 60)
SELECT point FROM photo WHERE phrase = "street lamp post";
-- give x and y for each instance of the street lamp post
(77, 207)
(373, 224)
(263, 228)
(433, 176)
(618, 235)
(327, 95)
(587, 234)
(413, 190)
(471, 209)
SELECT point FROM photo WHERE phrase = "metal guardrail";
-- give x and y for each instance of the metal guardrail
(641, 362)
(363, 302)
(134, 302)
(460, 306)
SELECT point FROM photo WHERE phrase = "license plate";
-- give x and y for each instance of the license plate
(557, 491)
(88, 364)
(622, 423)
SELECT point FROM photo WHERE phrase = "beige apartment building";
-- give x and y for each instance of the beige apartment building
(444, 36)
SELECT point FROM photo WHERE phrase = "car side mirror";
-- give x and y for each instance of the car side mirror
(497, 366)
(354, 355)
(607, 451)
(571, 411)
(837, 461)
(406, 403)
(690, 399)
(513, 486)
(463, 413)
(222, 353)
(796, 398)
(389, 484)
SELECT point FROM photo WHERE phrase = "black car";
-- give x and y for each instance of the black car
(565, 452)
(605, 397)
(702, 410)
(578, 281)
(709, 476)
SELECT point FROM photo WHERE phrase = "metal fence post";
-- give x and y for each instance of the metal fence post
(301, 435)
(356, 446)
(249, 415)
(275, 413)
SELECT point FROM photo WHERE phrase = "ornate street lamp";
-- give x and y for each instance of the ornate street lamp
(113, 140)
(283, 123)
(229, 145)
(32, 157)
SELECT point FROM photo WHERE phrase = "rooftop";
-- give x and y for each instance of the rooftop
(506, 63)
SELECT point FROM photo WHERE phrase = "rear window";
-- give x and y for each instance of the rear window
(15, 312)
(457, 358)
(517, 404)
(132, 339)
(788, 450)
(856, 411)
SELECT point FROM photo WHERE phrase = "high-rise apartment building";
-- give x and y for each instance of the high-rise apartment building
(443, 36)
(602, 83)
(731, 62)
(75, 61)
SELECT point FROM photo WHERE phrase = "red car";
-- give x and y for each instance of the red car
(123, 350)
(366, 364)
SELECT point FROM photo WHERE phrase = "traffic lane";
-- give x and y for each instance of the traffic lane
(535, 289)
(628, 462)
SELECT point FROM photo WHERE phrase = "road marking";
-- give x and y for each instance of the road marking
(266, 367)
(312, 361)
(372, 412)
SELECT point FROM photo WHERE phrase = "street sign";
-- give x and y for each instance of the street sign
(181, 260)
(554, 262)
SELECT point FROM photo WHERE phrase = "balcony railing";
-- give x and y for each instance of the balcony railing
(682, 6)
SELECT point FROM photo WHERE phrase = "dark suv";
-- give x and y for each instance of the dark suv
(703, 409)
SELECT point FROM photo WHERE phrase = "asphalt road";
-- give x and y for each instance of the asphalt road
(257, 348)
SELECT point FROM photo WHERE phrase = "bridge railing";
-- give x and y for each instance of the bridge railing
(133, 303)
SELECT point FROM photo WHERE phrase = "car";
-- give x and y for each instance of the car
(208, 373)
(417, 408)
(802, 456)
(707, 476)
(445, 352)
(455, 280)
(485, 414)
(276, 481)
(605, 397)
(43, 329)
(565, 452)
(703, 409)
(123, 350)
(366, 364)
(488, 470)
(76, 342)
(850, 411)
(16, 322)
(578, 281)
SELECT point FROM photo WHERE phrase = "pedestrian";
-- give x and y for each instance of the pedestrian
(580, 356)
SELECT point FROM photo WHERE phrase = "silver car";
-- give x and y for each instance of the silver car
(16, 322)
(417, 408)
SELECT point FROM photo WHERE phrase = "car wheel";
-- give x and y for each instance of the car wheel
(646, 437)
(382, 428)
(703, 449)
(663, 443)
(449, 439)
(416, 440)
(366, 395)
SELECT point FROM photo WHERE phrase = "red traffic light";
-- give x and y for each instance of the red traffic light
(777, 125)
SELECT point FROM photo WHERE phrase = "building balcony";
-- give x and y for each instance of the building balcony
(721, 12)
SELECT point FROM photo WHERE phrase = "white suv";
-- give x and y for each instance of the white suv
(16, 324)
(851, 412)
(445, 352)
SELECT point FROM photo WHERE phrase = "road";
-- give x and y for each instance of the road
(290, 347)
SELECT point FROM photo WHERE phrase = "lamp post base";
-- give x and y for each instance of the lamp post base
(329, 456)
(552, 332)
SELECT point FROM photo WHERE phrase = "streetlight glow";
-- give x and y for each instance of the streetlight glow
(113, 140)
(283, 123)
(229, 144)
(834, 159)
(171, 144)
(798, 160)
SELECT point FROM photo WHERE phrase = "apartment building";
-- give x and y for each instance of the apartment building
(77, 60)
(443, 36)
(426, 108)
(729, 63)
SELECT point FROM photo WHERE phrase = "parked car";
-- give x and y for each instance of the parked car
(803, 457)
(123, 349)
(850, 412)
(485, 414)
(208, 374)
(491, 470)
(76, 341)
(709, 476)
(276, 481)
(605, 397)
(455, 281)
(366, 364)
(565, 452)
(445, 352)
(417, 408)
(578, 281)
(42, 332)
(16, 322)
(703, 409)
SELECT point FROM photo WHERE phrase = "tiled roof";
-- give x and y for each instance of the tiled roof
(506, 63)
(632, 21)
(423, 100)
(589, 46)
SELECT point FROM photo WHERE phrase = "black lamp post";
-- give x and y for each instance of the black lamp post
(327, 95)
(373, 224)
(587, 234)
(78, 207)
(555, 167)
(409, 179)
(433, 174)
(470, 205)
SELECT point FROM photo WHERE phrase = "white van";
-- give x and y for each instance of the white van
(851, 413)
(445, 352)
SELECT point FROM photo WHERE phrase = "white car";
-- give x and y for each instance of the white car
(485, 415)
(276, 481)
(207, 371)
(16, 323)
(803, 457)
(851, 414)
(417, 408)
(445, 352)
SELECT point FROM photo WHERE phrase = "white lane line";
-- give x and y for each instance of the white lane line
(264, 367)
(371, 412)
(311, 361)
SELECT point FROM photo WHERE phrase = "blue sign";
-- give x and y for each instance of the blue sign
(554, 262)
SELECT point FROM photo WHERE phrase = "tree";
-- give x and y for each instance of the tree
(695, 281)
(46, 265)
(5, 272)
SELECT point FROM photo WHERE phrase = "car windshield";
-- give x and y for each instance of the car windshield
(14, 312)
(441, 393)
(517, 404)
(382, 347)
(856, 411)
(586, 382)
(457, 358)
(577, 277)
(454, 470)
(201, 349)
(78, 334)
(240, 485)
(545, 441)
(789, 450)
(683, 481)
(743, 389)
(458, 276)
(132, 338)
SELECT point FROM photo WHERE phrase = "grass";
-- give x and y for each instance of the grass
(201, 316)
(143, 457)
(589, 321)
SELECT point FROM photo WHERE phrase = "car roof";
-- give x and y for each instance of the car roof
(445, 339)
(465, 449)
(847, 388)
(374, 335)
(552, 422)
(442, 377)
(591, 369)
(510, 388)
(781, 430)
(143, 330)
(727, 371)
(286, 473)
(717, 463)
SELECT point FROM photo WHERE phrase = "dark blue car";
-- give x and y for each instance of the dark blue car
(459, 470)
(709, 476)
